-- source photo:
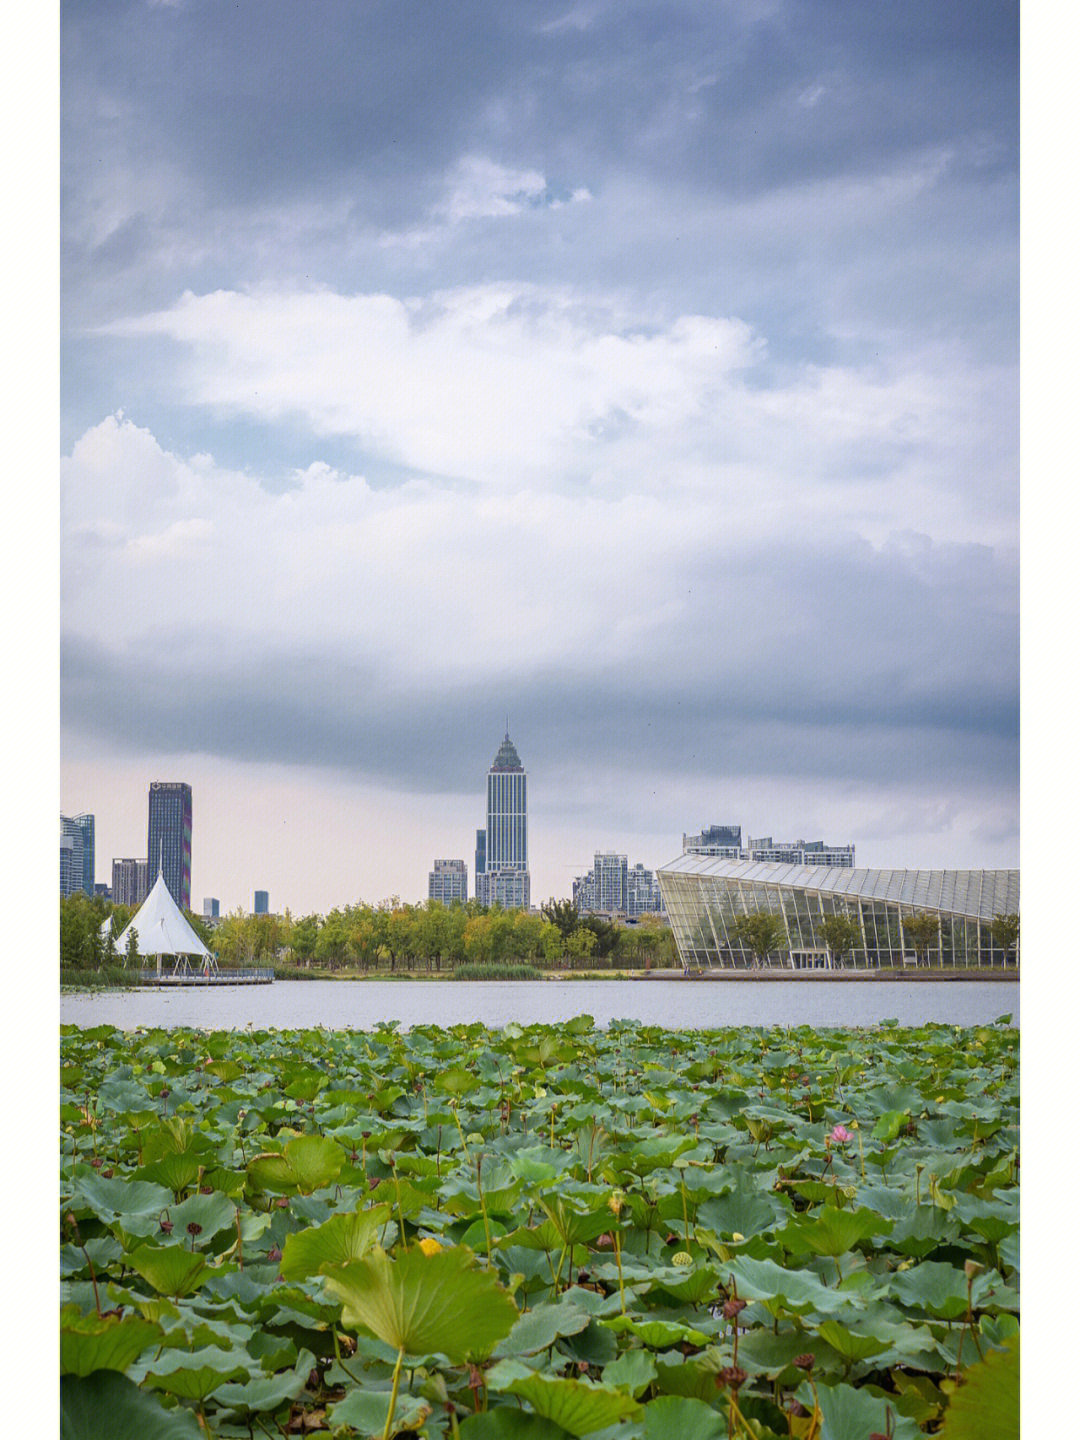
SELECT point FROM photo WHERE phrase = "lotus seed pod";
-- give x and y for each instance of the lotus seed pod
(682, 1258)
(737, 1237)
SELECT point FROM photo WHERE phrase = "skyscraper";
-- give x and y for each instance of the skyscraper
(76, 854)
(505, 877)
(262, 902)
(168, 838)
(129, 884)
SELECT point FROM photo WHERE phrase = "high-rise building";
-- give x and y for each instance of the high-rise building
(76, 854)
(129, 882)
(262, 902)
(211, 908)
(612, 887)
(724, 841)
(480, 857)
(448, 882)
(168, 838)
(505, 878)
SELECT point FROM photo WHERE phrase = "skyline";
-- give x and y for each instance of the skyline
(703, 408)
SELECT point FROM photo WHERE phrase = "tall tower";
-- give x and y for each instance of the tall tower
(168, 838)
(76, 854)
(505, 877)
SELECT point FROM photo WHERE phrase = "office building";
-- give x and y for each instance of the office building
(211, 908)
(168, 838)
(262, 902)
(480, 857)
(76, 854)
(720, 840)
(448, 882)
(504, 879)
(129, 882)
(643, 895)
(704, 896)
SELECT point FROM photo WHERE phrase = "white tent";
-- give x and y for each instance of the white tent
(161, 929)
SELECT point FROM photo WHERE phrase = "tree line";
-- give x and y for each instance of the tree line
(392, 935)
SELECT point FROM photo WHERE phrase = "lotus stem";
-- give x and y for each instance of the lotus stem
(389, 1427)
(483, 1207)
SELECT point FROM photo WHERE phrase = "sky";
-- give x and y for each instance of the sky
(644, 376)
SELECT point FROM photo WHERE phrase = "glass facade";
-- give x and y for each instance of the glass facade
(168, 838)
(504, 879)
(705, 896)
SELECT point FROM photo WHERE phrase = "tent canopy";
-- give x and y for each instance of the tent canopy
(161, 927)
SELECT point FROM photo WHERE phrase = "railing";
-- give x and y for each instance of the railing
(250, 975)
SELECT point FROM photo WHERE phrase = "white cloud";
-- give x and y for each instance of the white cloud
(478, 188)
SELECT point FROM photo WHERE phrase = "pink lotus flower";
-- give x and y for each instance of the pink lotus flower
(840, 1135)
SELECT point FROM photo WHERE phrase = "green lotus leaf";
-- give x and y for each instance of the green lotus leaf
(267, 1392)
(576, 1405)
(455, 1080)
(109, 1404)
(307, 1163)
(850, 1414)
(745, 1210)
(211, 1213)
(538, 1329)
(575, 1227)
(849, 1343)
(507, 1422)
(795, 1290)
(986, 1406)
(95, 1342)
(365, 1412)
(224, 1070)
(426, 1303)
(634, 1371)
(177, 1170)
(115, 1199)
(889, 1125)
(657, 1334)
(695, 1379)
(195, 1374)
(341, 1239)
(832, 1232)
(170, 1269)
(671, 1415)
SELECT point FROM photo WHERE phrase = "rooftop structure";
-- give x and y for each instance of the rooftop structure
(506, 838)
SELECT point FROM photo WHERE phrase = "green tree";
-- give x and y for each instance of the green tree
(607, 934)
(840, 933)
(762, 932)
(305, 935)
(563, 914)
(1005, 931)
(923, 931)
(581, 946)
(132, 958)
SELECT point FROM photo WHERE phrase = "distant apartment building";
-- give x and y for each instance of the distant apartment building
(724, 842)
(211, 908)
(504, 879)
(448, 882)
(262, 902)
(801, 852)
(612, 887)
(102, 891)
(76, 854)
(129, 881)
(168, 838)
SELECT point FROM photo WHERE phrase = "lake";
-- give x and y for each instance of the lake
(674, 1004)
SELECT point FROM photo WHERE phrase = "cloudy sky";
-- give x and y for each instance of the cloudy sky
(644, 372)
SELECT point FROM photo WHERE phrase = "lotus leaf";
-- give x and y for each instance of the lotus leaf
(634, 1371)
(538, 1329)
(193, 1375)
(505, 1423)
(170, 1269)
(672, 1415)
(426, 1303)
(107, 1403)
(575, 1405)
(95, 1342)
(307, 1163)
(851, 1414)
(340, 1239)
(269, 1391)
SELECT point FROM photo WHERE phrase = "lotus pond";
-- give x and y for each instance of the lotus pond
(540, 1232)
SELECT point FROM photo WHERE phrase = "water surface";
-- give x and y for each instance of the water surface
(674, 1004)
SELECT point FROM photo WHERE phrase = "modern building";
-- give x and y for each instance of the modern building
(168, 838)
(211, 908)
(801, 852)
(704, 895)
(448, 882)
(612, 887)
(504, 879)
(480, 856)
(76, 854)
(262, 902)
(129, 881)
(724, 842)
(643, 895)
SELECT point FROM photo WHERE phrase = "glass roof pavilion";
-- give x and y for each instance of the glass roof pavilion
(705, 895)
